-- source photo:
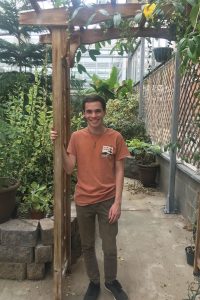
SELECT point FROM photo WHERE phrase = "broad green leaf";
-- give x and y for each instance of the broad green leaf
(89, 21)
(117, 20)
(138, 17)
(81, 69)
(93, 53)
(194, 14)
(192, 45)
(191, 2)
(83, 49)
(78, 56)
(76, 12)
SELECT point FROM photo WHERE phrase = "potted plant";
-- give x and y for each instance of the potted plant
(37, 203)
(8, 189)
(190, 253)
(162, 54)
(145, 156)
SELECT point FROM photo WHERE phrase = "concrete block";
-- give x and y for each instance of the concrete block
(18, 232)
(16, 254)
(47, 228)
(35, 271)
(43, 253)
(15, 271)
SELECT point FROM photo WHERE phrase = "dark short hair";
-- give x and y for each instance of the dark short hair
(94, 98)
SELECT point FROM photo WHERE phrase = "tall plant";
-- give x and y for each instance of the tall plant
(25, 147)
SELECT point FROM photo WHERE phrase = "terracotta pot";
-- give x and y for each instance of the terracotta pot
(8, 189)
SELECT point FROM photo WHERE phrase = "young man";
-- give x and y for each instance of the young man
(99, 153)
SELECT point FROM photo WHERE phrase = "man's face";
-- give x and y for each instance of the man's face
(94, 114)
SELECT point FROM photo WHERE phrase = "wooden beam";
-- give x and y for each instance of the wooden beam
(91, 36)
(60, 16)
(46, 17)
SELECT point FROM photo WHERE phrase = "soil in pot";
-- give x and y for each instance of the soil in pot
(190, 252)
(37, 215)
(8, 189)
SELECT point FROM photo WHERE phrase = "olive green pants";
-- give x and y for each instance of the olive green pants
(86, 216)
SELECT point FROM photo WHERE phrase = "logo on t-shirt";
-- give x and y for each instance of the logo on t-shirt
(106, 151)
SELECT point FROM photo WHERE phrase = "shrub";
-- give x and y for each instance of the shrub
(25, 146)
(122, 115)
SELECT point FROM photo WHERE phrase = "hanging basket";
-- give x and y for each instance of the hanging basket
(162, 54)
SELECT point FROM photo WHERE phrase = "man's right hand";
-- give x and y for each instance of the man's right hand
(53, 135)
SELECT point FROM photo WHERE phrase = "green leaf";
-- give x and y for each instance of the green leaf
(191, 2)
(89, 21)
(93, 53)
(117, 20)
(192, 45)
(138, 17)
(97, 46)
(78, 56)
(81, 69)
(83, 49)
(76, 12)
(194, 14)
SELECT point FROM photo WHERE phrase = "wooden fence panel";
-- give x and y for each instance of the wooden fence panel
(157, 110)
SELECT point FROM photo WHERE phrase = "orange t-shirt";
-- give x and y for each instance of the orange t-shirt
(95, 157)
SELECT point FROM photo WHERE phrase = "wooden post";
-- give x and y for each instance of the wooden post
(59, 43)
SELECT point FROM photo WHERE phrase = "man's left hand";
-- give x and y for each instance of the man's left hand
(114, 212)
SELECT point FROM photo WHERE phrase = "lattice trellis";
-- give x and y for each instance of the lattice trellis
(158, 98)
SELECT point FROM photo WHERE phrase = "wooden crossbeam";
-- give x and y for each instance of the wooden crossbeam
(61, 16)
(91, 36)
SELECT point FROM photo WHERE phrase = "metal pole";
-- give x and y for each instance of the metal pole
(170, 205)
(142, 54)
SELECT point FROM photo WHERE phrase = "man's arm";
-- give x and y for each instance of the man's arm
(68, 159)
(69, 162)
(115, 210)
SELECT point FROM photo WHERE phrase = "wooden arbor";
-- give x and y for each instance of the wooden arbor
(64, 46)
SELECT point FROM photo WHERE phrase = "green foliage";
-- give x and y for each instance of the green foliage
(122, 115)
(21, 52)
(105, 87)
(144, 153)
(37, 198)
(25, 147)
(110, 88)
(9, 81)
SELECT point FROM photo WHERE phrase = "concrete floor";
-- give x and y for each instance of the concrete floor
(151, 256)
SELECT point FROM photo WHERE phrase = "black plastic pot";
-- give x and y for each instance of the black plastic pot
(190, 252)
(8, 189)
(162, 54)
(148, 174)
